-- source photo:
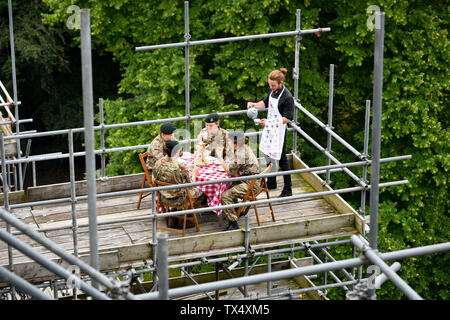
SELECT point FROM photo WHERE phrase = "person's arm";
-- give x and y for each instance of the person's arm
(287, 109)
(257, 105)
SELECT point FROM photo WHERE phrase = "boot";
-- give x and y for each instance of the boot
(286, 192)
(271, 183)
(232, 225)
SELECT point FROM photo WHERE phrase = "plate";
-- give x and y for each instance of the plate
(198, 163)
(221, 169)
(208, 171)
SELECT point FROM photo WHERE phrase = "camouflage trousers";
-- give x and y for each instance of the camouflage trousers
(197, 196)
(234, 195)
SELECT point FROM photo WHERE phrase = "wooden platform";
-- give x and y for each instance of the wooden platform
(124, 245)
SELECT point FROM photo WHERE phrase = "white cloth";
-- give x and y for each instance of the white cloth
(274, 130)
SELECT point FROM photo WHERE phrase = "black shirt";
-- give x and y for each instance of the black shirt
(285, 103)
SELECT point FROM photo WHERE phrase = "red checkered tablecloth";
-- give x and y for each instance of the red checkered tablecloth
(213, 171)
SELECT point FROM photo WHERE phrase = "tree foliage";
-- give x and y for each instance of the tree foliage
(224, 76)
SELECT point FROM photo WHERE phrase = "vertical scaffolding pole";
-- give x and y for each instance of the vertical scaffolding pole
(295, 75)
(73, 194)
(88, 106)
(376, 127)
(6, 205)
(330, 118)
(102, 136)
(362, 209)
(162, 265)
(14, 83)
(187, 36)
(376, 133)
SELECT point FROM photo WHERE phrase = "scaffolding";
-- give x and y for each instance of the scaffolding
(119, 285)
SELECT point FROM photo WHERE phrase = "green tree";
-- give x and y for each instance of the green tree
(224, 76)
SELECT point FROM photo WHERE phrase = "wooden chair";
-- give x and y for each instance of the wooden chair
(163, 207)
(251, 196)
(147, 178)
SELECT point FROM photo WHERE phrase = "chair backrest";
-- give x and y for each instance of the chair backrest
(267, 170)
(148, 176)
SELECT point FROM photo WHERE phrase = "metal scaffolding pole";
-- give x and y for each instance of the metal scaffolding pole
(14, 82)
(162, 262)
(376, 127)
(88, 111)
(296, 72)
(230, 39)
(6, 204)
(330, 118)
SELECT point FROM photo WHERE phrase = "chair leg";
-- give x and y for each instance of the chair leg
(257, 216)
(270, 206)
(184, 225)
(196, 222)
(140, 194)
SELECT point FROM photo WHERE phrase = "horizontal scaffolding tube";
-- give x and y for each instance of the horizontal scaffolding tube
(328, 130)
(196, 184)
(229, 206)
(23, 285)
(324, 151)
(254, 279)
(123, 125)
(230, 39)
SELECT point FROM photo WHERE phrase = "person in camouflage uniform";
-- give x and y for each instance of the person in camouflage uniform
(244, 163)
(156, 148)
(214, 138)
(169, 170)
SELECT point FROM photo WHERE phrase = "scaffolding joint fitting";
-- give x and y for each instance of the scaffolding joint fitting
(187, 36)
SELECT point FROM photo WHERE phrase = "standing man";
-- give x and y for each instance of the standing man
(280, 103)
(156, 148)
(213, 138)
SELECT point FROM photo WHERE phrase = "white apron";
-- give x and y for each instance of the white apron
(274, 130)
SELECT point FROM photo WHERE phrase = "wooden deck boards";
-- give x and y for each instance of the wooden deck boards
(131, 239)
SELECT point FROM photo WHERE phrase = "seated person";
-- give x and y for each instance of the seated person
(169, 170)
(213, 139)
(243, 163)
(156, 148)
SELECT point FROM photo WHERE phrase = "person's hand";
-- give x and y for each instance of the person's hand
(224, 164)
(250, 105)
(262, 122)
(194, 173)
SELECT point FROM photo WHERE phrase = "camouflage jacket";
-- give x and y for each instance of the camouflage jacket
(244, 162)
(214, 141)
(170, 171)
(155, 151)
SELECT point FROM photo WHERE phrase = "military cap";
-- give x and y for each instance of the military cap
(168, 128)
(170, 144)
(211, 118)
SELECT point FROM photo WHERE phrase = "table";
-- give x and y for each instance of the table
(214, 171)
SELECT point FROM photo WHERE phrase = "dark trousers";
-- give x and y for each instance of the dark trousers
(283, 163)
